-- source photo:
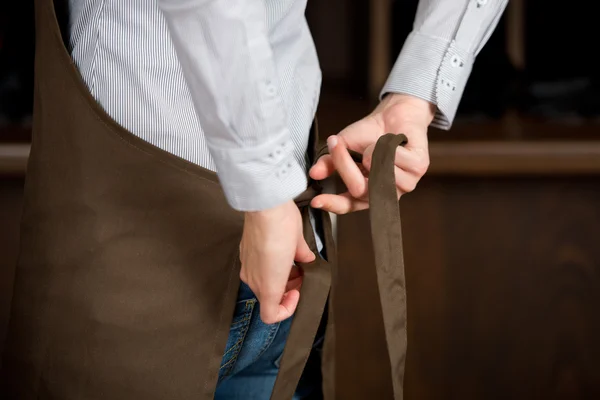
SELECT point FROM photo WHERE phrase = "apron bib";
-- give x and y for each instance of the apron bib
(129, 264)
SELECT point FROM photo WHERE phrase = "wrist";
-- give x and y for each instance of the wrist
(419, 108)
(272, 213)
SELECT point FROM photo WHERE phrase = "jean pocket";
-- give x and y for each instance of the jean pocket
(237, 333)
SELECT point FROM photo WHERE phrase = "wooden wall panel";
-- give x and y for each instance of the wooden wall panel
(503, 291)
(11, 198)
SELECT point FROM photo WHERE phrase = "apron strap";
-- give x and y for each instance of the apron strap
(313, 298)
(386, 234)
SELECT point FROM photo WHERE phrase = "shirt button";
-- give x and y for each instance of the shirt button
(448, 84)
(456, 61)
(481, 2)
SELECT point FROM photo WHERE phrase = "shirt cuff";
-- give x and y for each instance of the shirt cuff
(433, 69)
(260, 177)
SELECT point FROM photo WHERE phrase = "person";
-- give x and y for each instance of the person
(132, 300)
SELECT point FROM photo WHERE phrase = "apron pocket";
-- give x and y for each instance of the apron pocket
(237, 333)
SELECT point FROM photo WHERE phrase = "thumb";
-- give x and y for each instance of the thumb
(359, 135)
(303, 253)
(323, 168)
(368, 157)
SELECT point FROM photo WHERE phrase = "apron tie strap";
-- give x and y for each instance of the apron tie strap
(386, 232)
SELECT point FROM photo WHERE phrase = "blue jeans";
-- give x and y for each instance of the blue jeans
(253, 353)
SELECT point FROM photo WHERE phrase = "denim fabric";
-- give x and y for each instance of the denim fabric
(253, 352)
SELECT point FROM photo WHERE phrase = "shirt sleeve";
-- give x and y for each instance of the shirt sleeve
(227, 61)
(438, 55)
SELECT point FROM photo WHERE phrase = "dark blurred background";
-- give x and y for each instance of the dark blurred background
(502, 236)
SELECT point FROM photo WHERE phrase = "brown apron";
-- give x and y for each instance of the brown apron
(129, 264)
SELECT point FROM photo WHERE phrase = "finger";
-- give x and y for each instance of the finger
(270, 304)
(288, 305)
(303, 253)
(276, 309)
(295, 272)
(407, 175)
(295, 279)
(323, 168)
(345, 203)
(339, 203)
(412, 160)
(406, 182)
(349, 171)
(295, 283)
(361, 134)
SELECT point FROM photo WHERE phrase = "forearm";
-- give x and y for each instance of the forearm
(227, 62)
(438, 55)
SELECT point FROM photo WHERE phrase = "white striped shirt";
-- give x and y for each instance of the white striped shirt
(233, 85)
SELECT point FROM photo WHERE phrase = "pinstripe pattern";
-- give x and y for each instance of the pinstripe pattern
(126, 58)
(437, 57)
(233, 85)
